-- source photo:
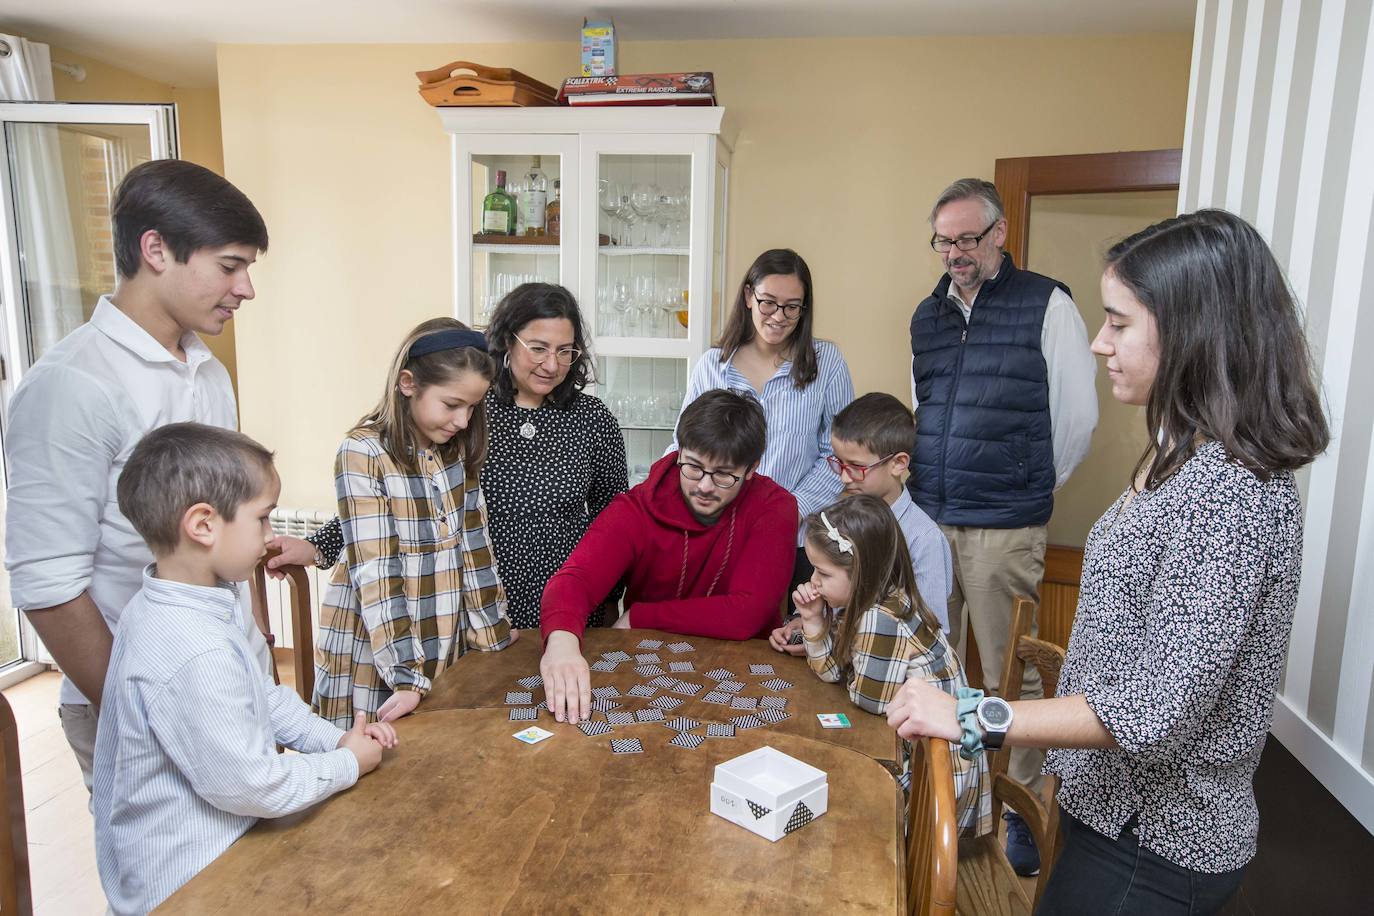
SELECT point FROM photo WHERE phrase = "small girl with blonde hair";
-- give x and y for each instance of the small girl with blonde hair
(886, 633)
(418, 587)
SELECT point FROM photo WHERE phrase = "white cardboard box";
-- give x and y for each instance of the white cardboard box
(768, 792)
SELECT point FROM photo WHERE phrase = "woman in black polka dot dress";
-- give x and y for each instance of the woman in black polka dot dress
(556, 456)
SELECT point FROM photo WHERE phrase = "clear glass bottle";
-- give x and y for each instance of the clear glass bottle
(498, 209)
(535, 199)
(553, 214)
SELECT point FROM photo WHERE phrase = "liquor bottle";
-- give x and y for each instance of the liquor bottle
(535, 199)
(498, 209)
(553, 215)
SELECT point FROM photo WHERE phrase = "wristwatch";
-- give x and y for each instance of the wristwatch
(994, 718)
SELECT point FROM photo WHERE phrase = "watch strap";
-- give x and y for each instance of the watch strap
(971, 733)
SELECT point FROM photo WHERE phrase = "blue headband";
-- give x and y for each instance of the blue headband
(447, 340)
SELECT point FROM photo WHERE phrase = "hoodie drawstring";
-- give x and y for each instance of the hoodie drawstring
(729, 545)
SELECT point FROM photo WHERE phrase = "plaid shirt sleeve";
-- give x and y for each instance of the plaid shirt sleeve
(374, 566)
(486, 623)
(882, 653)
(820, 654)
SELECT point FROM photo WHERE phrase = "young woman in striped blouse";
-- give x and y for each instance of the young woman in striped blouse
(767, 351)
(418, 587)
(887, 636)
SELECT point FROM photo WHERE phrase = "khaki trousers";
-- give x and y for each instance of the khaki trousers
(992, 566)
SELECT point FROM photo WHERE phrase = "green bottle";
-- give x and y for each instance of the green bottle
(498, 210)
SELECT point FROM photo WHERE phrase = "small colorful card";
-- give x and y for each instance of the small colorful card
(833, 719)
(532, 735)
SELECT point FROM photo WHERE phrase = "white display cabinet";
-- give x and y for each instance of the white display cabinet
(641, 244)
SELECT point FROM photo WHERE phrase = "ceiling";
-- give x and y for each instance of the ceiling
(175, 43)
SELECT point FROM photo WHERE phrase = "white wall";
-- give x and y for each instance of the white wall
(1281, 131)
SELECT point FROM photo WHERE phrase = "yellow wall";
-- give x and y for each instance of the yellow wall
(843, 145)
(198, 123)
(1068, 237)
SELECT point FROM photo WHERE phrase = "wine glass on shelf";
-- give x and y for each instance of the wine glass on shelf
(608, 201)
(666, 301)
(622, 300)
(644, 203)
(645, 307)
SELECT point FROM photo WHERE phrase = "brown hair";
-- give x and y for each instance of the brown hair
(726, 426)
(878, 564)
(739, 327)
(878, 422)
(390, 419)
(179, 465)
(1233, 360)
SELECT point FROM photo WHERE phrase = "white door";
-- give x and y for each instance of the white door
(59, 166)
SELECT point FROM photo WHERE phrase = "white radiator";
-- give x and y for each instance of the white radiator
(295, 523)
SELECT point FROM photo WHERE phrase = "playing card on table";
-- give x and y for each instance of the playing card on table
(682, 724)
(592, 729)
(616, 656)
(796, 639)
(761, 669)
(680, 667)
(531, 682)
(773, 702)
(647, 658)
(532, 735)
(751, 721)
(776, 684)
(626, 746)
(651, 644)
(618, 717)
(730, 686)
(665, 703)
(649, 715)
(605, 693)
(515, 698)
(686, 689)
(715, 696)
(542, 704)
(604, 705)
(523, 715)
(744, 703)
(681, 647)
(720, 674)
(720, 730)
(604, 665)
(642, 690)
(690, 742)
(648, 670)
(773, 716)
(663, 681)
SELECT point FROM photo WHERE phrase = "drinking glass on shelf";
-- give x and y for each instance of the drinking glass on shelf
(608, 200)
(644, 203)
(622, 301)
(644, 307)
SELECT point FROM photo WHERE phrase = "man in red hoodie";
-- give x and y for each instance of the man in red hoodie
(705, 547)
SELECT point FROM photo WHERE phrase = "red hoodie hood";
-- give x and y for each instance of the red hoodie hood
(660, 496)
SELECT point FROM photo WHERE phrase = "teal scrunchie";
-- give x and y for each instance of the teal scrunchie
(971, 741)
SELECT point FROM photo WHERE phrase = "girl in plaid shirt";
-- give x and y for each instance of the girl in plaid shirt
(419, 586)
(861, 562)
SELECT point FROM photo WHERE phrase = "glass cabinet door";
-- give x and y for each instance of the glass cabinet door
(645, 395)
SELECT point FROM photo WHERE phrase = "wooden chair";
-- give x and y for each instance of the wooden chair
(15, 893)
(302, 624)
(987, 883)
(932, 831)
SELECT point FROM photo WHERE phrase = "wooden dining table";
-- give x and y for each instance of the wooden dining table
(462, 817)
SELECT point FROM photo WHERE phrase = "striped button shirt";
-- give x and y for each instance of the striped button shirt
(890, 646)
(186, 755)
(419, 586)
(798, 420)
(930, 555)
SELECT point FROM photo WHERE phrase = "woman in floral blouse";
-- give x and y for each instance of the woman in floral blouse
(1189, 583)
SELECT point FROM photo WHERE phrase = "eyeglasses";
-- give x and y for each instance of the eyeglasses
(693, 471)
(791, 311)
(857, 472)
(963, 242)
(566, 356)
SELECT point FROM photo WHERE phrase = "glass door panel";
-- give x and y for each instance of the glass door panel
(515, 225)
(643, 264)
(645, 395)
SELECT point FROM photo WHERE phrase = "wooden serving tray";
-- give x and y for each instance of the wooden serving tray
(464, 84)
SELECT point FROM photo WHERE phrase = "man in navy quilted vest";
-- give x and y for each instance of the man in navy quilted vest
(1002, 379)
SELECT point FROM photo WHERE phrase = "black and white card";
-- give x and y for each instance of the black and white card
(776, 684)
(666, 704)
(690, 742)
(531, 682)
(642, 690)
(592, 729)
(761, 669)
(516, 698)
(720, 674)
(626, 746)
(524, 715)
(682, 724)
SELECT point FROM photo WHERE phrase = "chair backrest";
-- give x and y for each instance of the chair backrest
(302, 623)
(1048, 659)
(15, 893)
(932, 831)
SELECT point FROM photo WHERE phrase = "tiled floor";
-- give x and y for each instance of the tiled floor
(61, 839)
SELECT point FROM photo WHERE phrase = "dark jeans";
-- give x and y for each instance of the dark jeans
(1099, 876)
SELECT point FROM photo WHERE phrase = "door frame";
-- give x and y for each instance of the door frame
(1020, 179)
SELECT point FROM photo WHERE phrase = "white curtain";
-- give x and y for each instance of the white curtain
(47, 245)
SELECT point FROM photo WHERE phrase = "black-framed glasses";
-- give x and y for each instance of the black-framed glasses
(565, 356)
(857, 472)
(963, 242)
(693, 471)
(791, 311)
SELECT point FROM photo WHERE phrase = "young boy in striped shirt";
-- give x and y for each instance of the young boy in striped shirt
(186, 756)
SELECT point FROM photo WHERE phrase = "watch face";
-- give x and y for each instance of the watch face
(996, 715)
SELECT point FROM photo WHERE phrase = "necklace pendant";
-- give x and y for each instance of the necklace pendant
(527, 429)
